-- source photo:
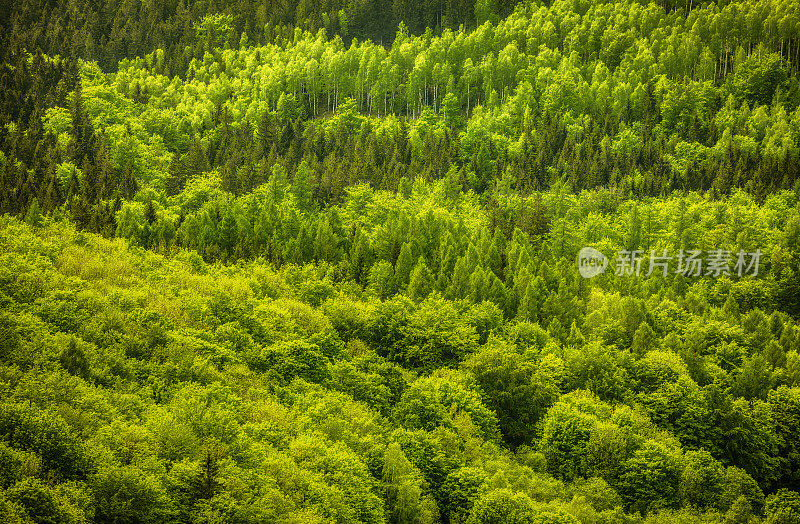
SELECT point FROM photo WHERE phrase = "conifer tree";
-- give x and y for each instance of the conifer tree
(404, 266)
(34, 215)
(421, 283)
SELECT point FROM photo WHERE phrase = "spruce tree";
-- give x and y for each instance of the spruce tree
(421, 283)
(34, 215)
(404, 266)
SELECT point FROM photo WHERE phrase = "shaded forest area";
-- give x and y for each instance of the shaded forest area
(110, 31)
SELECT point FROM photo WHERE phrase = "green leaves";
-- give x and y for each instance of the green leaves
(214, 30)
(129, 495)
(651, 478)
(46, 434)
(518, 390)
(287, 360)
(758, 77)
(435, 401)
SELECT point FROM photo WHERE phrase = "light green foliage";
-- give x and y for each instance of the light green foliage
(506, 507)
(404, 485)
(299, 371)
(214, 30)
(435, 401)
(651, 478)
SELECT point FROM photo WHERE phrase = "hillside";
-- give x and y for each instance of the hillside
(486, 263)
(155, 389)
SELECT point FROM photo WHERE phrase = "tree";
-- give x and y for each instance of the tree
(214, 30)
(644, 339)
(437, 401)
(404, 488)
(382, 280)
(39, 502)
(702, 479)
(503, 506)
(785, 407)
(564, 439)
(421, 282)
(404, 266)
(436, 335)
(759, 76)
(651, 478)
(783, 507)
(290, 359)
(519, 391)
(62, 453)
(128, 495)
(9, 337)
(228, 234)
(485, 11)
(452, 111)
(74, 360)
(754, 379)
(34, 215)
(303, 186)
(461, 489)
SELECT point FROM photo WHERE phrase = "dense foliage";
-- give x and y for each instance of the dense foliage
(110, 30)
(616, 94)
(294, 263)
(475, 375)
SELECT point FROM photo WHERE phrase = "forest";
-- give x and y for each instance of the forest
(301, 262)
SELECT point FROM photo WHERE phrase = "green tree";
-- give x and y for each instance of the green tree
(421, 282)
(564, 440)
(73, 359)
(34, 215)
(518, 390)
(39, 502)
(404, 488)
(128, 495)
(783, 507)
(759, 76)
(404, 266)
(651, 478)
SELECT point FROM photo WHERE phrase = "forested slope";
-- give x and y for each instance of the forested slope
(258, 267)
(159, 389)
(109, 30)
(615, 94)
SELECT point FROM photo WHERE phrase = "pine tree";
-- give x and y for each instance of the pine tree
(404, 266)
(460, 283)
(176, 176)
(528, 305)
(82, 139)
(150, 212)
(575, 337)
(34, 215)
(421, 283)
(326, 242)
(478, 286)
(360, 258)
(303, 186)
(228, 233)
